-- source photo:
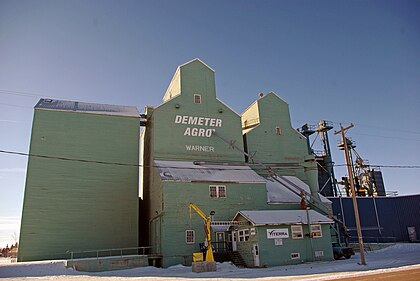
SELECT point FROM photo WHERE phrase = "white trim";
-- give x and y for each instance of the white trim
(316, 230)
(230, 108)
(197, 97)
(300, 231)
(295, 256)
(186, 236)
(217, 189)
(197, 59)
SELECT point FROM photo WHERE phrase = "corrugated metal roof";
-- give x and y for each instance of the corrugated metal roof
(84, 107)
(279, 217)
(279, 193)
(188, 171)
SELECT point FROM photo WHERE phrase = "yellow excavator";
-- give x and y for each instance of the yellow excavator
(207, 221)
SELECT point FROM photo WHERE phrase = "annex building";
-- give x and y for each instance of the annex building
(139, 174)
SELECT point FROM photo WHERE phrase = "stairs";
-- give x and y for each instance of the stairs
(236, 258)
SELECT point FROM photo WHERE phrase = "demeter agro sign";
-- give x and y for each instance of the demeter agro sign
(277, 233)
(199, 127)
(198, 121)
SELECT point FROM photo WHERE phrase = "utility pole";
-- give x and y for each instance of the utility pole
(353, 192)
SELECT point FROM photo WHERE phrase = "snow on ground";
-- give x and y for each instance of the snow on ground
(394, 258)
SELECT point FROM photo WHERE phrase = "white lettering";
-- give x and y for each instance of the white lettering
(192, 120)
(178, 119)
(194, 132)
(203, 148)
(184, 119)
(200, 121)
(187, 132)
(207, 121)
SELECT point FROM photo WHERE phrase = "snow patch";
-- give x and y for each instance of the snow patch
(393, 258)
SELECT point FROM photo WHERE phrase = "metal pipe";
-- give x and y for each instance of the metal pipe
(377, 217)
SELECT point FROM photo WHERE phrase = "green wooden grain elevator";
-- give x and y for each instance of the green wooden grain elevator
(193, 151)
(77, 196)
(90, 164)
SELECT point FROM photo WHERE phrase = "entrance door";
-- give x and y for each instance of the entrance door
(234, 239)
(220, 242)
(256, 254)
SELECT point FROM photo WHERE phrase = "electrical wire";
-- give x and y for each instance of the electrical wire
(288, 166)
(39, 95)
(284, 165)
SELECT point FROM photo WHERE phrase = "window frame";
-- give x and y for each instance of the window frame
(187, 241)
(243, 235)
(197, 99)
(298, 230)
(316, 231)
(217, 191)
(295, 255)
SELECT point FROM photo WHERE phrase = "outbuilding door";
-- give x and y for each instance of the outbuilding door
(256, 254)
(234, 239)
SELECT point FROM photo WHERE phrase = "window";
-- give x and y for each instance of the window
(295, 256)
(197, 98)
(213, 191)
(217, 191)
(297, 232)
(243, 235)
(316, 231)
(189, 236)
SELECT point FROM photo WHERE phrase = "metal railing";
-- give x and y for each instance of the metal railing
(109, 252)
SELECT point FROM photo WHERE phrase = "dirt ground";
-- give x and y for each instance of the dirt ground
(402, 275)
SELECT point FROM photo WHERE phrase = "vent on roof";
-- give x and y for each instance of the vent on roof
(48, 101)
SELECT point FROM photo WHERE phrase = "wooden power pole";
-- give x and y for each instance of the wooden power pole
(353, 192)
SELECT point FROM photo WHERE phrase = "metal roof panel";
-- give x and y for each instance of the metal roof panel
(280, 217)
(84, 107)
(188, 171)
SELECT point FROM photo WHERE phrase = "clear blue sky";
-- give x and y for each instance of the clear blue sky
(344, 61)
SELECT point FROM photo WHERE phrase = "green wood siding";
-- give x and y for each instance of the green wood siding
(72, 205)
(171, 138)
(176, 214)
(273, 255)
(288, 147)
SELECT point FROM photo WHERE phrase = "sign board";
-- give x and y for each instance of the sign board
(277, 233)
(252, 231)
(278, 241)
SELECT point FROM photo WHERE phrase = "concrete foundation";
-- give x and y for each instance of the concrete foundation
(203, 266)
(108, 263)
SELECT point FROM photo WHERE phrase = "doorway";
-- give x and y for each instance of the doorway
(256, 255)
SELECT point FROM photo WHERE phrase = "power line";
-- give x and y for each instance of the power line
(274, 165)
(379, 128)
(282, 165)
(386, 166)
(28, 94)
(39, 95)
(386, 137)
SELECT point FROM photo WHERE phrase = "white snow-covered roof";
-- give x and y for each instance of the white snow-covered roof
(84, 107)
(281, 217)
(189, 171)
(279, 192)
